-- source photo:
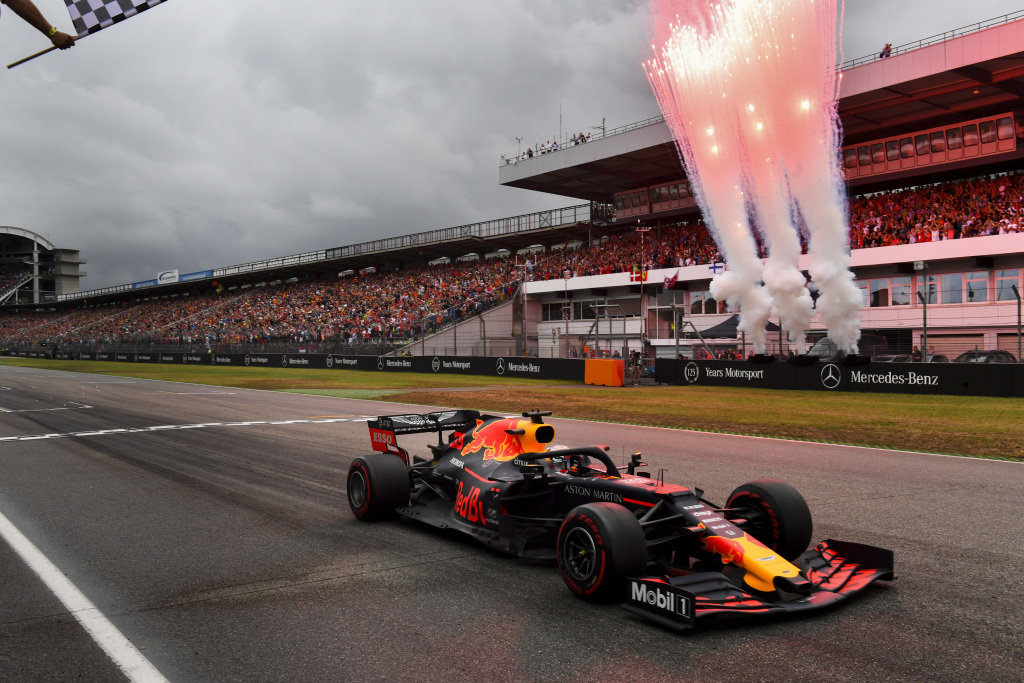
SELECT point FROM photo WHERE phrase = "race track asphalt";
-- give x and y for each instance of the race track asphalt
(226, 552)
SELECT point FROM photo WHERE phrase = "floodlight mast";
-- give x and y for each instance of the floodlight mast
(922, 267)
(1016, 293)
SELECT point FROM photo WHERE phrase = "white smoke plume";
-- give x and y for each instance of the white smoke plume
(748, 88)
(704, 124)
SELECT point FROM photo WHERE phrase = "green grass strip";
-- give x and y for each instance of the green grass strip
(953, 425)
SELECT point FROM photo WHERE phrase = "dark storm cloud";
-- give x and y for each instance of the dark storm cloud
(206, 133)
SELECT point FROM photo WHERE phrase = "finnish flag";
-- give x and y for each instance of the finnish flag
(90, 16)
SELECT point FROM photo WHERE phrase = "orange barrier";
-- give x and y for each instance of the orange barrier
(608, 373)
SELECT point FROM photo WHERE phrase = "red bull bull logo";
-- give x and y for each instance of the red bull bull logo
(732, 551)
(494, 442)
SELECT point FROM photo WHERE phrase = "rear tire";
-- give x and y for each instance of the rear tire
(782, 520)
(377, 484)
(600, 545)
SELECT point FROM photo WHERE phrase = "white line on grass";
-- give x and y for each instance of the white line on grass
(120, 650)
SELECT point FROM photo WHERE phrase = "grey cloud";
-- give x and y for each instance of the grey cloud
(211, 133)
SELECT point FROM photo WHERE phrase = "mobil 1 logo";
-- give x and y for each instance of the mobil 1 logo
(660, 600)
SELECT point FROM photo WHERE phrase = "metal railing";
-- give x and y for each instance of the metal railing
(600, 134)
(538, 220)
(849, 64)
(937, 38)
(10, 291)
(495, 228)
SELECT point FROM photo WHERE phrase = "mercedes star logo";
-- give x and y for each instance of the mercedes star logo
(831, 376)
(691, 372)
(501, 366)
(284, 361)
(380, 362)
(435, 364)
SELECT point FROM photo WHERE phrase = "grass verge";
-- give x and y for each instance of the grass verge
(977, 426)
(280, 379)
(961, 425)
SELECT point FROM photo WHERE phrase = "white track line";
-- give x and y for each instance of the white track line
(120, 650)
(162, 428)
(78, 406)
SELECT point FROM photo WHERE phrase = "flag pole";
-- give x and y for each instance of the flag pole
(31, 57)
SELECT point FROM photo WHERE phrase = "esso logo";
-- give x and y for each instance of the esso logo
(384, 438)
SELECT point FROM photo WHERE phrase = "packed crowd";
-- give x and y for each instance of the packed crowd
(971, 208)
(681, 245)
(405, 304)
(363, 308)
(9, 280)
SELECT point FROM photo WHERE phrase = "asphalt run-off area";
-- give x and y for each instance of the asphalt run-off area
(157, 531)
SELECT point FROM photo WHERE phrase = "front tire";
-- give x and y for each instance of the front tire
(781, 519)
(376, 485)
(600, 545)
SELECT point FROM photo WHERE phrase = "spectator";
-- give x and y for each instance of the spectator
(27, 10)
(405, 304)
(886, 51)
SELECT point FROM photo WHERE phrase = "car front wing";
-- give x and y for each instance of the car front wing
(836, 570)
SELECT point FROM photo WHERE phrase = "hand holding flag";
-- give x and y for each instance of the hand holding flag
(88, 17)
(27, 10)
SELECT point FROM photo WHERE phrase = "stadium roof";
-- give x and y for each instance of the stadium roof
(512, 234)
(27, 234)
(966, 73)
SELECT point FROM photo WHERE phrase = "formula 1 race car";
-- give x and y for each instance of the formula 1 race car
(670, 555)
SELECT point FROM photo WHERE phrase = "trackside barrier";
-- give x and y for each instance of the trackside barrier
(963, 379)
(571, 370)
(604, 372)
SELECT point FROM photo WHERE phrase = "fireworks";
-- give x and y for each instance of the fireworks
(748, 88)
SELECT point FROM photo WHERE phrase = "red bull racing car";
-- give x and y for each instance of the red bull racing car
(617, 533)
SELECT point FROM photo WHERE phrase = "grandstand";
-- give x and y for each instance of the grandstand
(935, 235)
(34, 271)
(932, 155)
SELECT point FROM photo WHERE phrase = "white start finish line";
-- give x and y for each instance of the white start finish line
(165, 428)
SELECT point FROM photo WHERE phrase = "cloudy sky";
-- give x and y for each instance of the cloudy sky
(204, 134)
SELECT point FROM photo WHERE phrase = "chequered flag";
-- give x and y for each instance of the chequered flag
(90, 16)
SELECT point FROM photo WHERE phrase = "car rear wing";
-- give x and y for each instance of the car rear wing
(447, 420)
(385, 429)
